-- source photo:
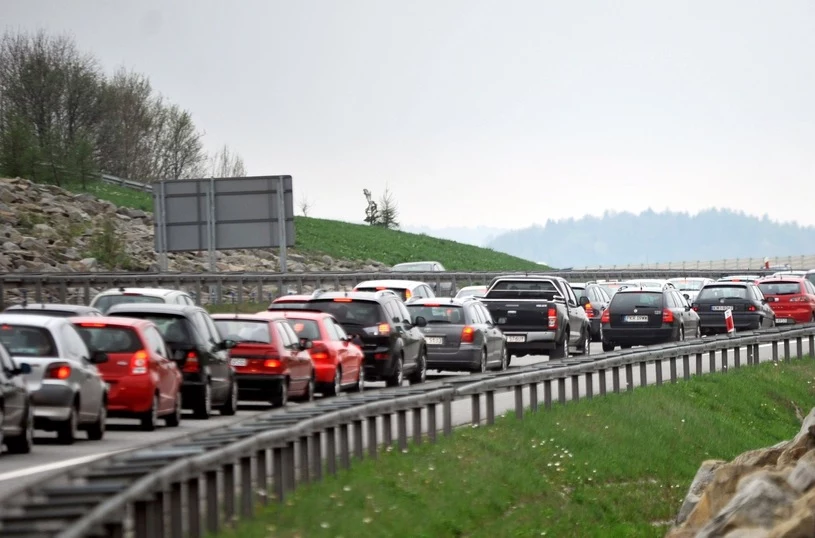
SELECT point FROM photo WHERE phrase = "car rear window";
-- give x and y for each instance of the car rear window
(402, 292)
(780, 288)
(688, 285)
(523, 289)
(44, 312)
(713, 293)
(297, 304)
(305, 328)
(352, 311)
(27, 341)
(174, 329)
(438, 314)
(243, 330)
(110, 339)
(105, 302)
(636, 299)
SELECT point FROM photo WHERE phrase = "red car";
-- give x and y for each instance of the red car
(791, 298)
(337, 361)
(270, 361)
(144, 382)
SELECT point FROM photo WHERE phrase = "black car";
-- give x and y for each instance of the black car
(598, 300)
(393, 344)
(643, 316)
(17, 413)
(199, 350)
(460, 335)
(746, 303)
(54, 309)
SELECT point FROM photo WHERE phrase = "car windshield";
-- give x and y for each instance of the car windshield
(811, 278)
(242, 330)
(523, 289)
(351, 311)
(611, 289)
(780, 288)
(417, 266)
(110, 339)
(714, 293)
(688, 285)
(105, 302)
(305, 328)
(449, 313)
(470, 292)
(174, 329)
(636, 299)
(27, 341)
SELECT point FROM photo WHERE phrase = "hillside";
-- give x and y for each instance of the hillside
(103, 227)
(626, 238)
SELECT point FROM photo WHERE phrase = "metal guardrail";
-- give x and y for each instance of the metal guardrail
(126, 183)
(264, 286)
(800, 262)
(158, 492)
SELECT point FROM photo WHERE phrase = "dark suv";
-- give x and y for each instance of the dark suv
(379, 322)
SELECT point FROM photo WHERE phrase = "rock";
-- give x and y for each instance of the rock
(89, 263)
(704, 476)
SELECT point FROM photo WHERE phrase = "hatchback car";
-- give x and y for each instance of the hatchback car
(108, 298)
(406, 289)
(740, 278)
(597, 300)
(66, 388)
(144, 383)
(460, 335)
(17, 411)
(270, 362)
(294, 300)
(745, 301)
(644, 316)
(791, 299)
(53, 309)
(689, 287)
(472, 291)
(197, 348)
(337, 360)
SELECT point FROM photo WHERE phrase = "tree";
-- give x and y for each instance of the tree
(305, 205)
(389, 211)
(226, 163)
(371, 212)
(182, 148)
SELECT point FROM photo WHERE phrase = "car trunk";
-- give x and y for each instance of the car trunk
(251, 358)
(641, 309)
(121, 344)
(519, 316)
(443, 336)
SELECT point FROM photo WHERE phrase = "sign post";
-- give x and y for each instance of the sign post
(728, 321)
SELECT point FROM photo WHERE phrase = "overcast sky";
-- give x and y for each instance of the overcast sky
(516, 111)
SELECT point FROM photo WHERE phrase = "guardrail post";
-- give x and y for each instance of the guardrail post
(114, 529)
(561, 390)
(387, 429)
(490, 407)
(658, 371)
(749, 354)
(787, 354)
(372, 438)
(629, 377)
(278, 474)
(143, 519)
(533, 397)
(331, 448)
(247, 498)
(575, 389)
(316, 445)
(698, 363)
(417, 425)
(38, 291)
(262, 478)
(547, 394)
(359, 449)
(447, 417)
(686, 366)
(712, 359)
(157, 507)
(289, 468)
(615, 378)
(672, 365)
(589, 385)
(305, 468)
(176, 511)
(799, 345)
(401, 429)
(774, 345)
(475, 404)
(737, 357)
(431, 422)
(725, 359)
(519, 402)
(194, 507)
(86, 289)
(229, 492)
(63, 292)
(345, 446)
(213, 521)
(812, 344)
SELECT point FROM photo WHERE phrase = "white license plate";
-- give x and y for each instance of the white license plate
(238, 362)
(516, 339)
(718, 308)
(783, 320)
(434, 340)
(636, 319)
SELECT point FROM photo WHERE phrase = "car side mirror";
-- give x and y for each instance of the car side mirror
(584, 301)
(420, 321)
(305, 344)
(226, 344)
(23, 369)
(99, 357)
(686, 296)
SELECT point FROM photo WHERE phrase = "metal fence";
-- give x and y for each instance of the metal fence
(801, 262)
(197, 485)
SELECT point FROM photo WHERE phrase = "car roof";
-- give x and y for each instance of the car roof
(453, 301)
(155, 292)
(719, 283)
(63, 307)
(354, 295)
(154, 308)
(417, 263)
(32, 321)
(642, 289)
(111, 320)
(304, 314)
(390, 283)
(240, 317)
(784, 278)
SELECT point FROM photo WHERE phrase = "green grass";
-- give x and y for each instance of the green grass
(613, 466)
(348, 241)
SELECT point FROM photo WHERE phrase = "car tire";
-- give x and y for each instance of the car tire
(561, 350)
(359, 386)
(203, 407)
(149, 419)
(482, 363)
(280, 394)
(420, 374)
(336, 385)
(504, 358)
(608, 346)
(680, 336)
(698, 333)
(173, 420)
(398, 377)
(230, 407)
(599, 334)
(585, 348)
(96, 431)
(67, 429)
(22, 444)
(308, 396)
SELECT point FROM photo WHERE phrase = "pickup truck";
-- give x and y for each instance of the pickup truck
(539, 315)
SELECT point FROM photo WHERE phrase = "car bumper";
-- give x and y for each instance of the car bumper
(534, 341)
(638, 336)
(463, 358)
(378, 369)
(52, 402)
(791, 316)
(258, 387)
(595, 326)
(324, 372)
(742, 321)
(130, 395)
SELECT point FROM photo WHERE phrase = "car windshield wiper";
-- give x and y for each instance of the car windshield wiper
(644, 306)
(438, 321)
(251, 342)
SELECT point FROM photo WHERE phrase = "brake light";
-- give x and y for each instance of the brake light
(695, 308)
(751, 308)
(97, 325)
(383, 328)
(589, 310)
(271, 363)
(606, 317)
(432, 304)
(381, 288)
(467, 335)
(58, 370)
(408, 294)
(667, 316)
(552, 318)
(342, 300)
(192, 365)
(319, 352)
(138, 362)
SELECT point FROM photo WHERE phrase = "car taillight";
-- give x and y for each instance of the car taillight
(751, 308)
(606, 317)
(383, 329)
(667, 316)
(271, 363)
(192, 365)
(138, 362)
(552, 318)
(589, 310)
(695, 308)
(467, 335)
(319, 352)
(58, 370)
(408, 294)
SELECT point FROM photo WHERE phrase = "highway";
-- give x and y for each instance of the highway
(48, 457)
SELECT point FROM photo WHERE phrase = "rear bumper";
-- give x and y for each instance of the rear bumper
(714, 321)
(378, 369)
(324, 372)
(258, 387)
(465, 357)
(639, 336)
(790, 316)
(130, 395)
(52, 403)
(534, 342)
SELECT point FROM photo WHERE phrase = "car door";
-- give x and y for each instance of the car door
(165, 368)
(762, 305)
(494, 334)
(340, 349)
(302, 358)
(217, 359)
(289, 352)
(411, 335)
(13, 390)
(90, 384)
(577, 314)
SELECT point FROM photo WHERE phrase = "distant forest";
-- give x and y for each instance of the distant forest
(650, 237)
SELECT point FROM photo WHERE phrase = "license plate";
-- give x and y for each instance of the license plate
(516, 339)
(238, 362)
(434, 340)
(636, 319)
(782, 320)
(718, 308)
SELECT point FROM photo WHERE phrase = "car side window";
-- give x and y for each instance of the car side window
(295, 341)
(5, 360)
(404, 313)
(570, 295)
(680, 299)
(810, 288)
(156, 342)
(285, 340)
(212, 327)
(340, 331)
(331, 329)
(75, 346)
(391, 311)
(757, 293)
(486, 313)
(429, 291)
(670, 302)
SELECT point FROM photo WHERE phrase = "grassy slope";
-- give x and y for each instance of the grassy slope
(343, 240)
(613, 466)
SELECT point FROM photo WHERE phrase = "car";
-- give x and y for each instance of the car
(596, 302)
(271, 363)
(791, 299)
(471, 291)
(391, 340)
(745, 301)
(144, 383)
(53, 309)
(740, 278)
(67, 390)
(17, 411)
(104, 300)
(338, 362)
(648, 315)
(198, 349)
(808, 274)
(460, 335)
(445, 288)
(689, 287)
(611, 286)
(407, 289)
(649, 283)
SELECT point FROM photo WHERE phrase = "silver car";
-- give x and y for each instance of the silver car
(67, 391)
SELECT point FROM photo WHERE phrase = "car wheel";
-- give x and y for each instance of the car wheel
(482, 364)
(174, 420)
(600, 333)
(149, 419)
(203, 407)
(398, 376)
(698, 333)
(585, 348)
(97, 430)
(67, 429)
(231, 406)
(22, 443)
(308, 396)
(336, 385)
(608, 346)
(2, 422)
(420, 374)
(681, 335)
(280, 397)
(360, 384)
(561, 350)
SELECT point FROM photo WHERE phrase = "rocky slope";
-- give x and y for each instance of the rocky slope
(766, 493)
(44, 228)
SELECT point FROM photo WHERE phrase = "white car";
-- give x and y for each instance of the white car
(67, 390)
(690, 287)
(108, 298)
(471, 291)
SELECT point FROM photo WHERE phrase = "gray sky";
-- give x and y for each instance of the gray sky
(523, 110)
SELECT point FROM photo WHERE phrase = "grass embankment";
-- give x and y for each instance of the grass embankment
(614, 466)
(348, 241)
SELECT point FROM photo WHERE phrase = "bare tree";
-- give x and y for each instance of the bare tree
(226, 163)
(182, 146)
(388, 210)
(305, 205)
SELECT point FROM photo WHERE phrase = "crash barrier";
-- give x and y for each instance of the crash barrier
(259, 287)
